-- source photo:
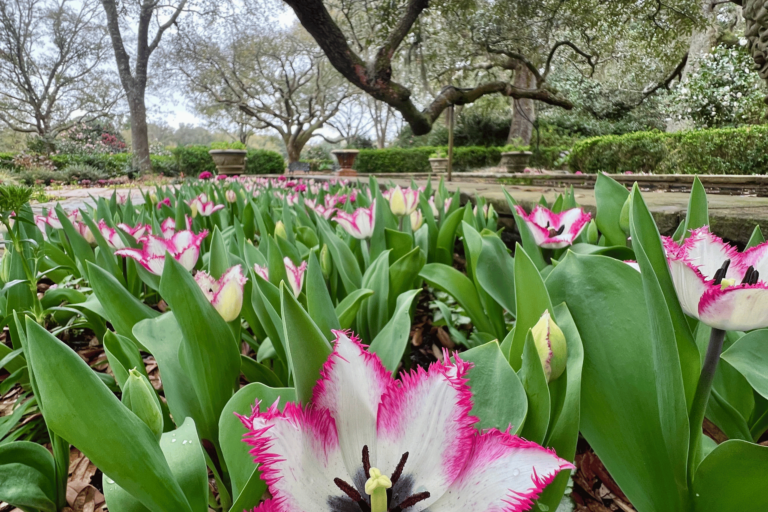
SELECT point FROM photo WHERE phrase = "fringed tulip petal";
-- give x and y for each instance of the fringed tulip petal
(554, 230)
(426, 416)
(299, 456)
(352, 383)
(735, 308)
(504, 473)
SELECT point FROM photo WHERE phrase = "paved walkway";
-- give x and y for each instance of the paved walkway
(733, 217)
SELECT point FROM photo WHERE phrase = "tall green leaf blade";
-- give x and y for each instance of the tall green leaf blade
(391, 341)
(306, 344)
(531, 299)
(618, 370)
(732, 477)
(610, 197)
(110, 435)
(535, 383)
(209, 352)
(347, 309)
(698, 212)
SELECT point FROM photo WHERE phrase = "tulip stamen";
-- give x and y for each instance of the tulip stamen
(411, 501)
(399, 469)
(367, 462)
(352, 493)
(751, 276)
(721, 272)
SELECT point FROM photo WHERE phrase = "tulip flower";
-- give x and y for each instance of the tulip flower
(141, 399)
(226, 294)
(360, 223)
(433, 207)
(261, 271)
(417, 219)
(403, 202)
(137, 232)
(166, 202)
(230, 196)
(295, 275)
(201, 205)
(110, 235)
(183, 246)
(168, 226)
(554, 230)
(717, 284)
(409, 444)
(52, 220)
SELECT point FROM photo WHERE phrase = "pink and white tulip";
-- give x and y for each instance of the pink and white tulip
(360, 223)
(554, 230)
(201, 205)
(183, 246)
(261, 271)
(52, 220)
(417, 219)
(230, 196)
(295, 275)
(110, 235)
(168, 226)
(717, 284)
(226, 293)
(138, 231)
(403, 202)
(363, 424)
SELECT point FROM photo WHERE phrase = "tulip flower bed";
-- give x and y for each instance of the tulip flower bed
(282, 346)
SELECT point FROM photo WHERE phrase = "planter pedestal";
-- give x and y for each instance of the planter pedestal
(346, 158)
(229, 161)
(439, 165)
(515, 161)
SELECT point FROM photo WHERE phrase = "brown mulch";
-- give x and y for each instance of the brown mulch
(593, 488)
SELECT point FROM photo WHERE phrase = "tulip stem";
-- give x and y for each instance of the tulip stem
(701, 398)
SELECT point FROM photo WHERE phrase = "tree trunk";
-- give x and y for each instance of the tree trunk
(701, 42)
(139, 133)
(523, 110)
(294, 150)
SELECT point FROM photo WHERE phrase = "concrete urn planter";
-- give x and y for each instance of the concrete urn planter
(229, 161)
(515, 161)
(346, 159)
(439, 165)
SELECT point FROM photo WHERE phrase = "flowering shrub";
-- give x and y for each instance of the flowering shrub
(723, 91)
(84, 139)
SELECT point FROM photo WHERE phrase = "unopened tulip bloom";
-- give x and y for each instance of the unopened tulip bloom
(360, 223)
(554, 230)
(261, 271)
(551, 346)
(85, 232)
(403, 202)
(225, 294)
(295, 275)
(417, 219)
(410, 444)
(717, 284)
(280, 230)
(230, 196)
(139, 396)
(183, 246)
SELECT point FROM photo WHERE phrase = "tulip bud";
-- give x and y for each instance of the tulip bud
(624, 217)
(491, 214)
(280, 230)
(551, 345)
(153, 197)
(397, 202)
(230, 196)
(417, 219)
(141, 399)
(325, 262)
(592, 233)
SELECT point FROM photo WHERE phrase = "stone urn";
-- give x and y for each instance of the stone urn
(229, 161)
(346, 158)
(439, 165)
(515, 161)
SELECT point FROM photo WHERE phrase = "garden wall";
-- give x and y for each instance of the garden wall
(718, 151)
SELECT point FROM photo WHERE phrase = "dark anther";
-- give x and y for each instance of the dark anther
(399, 469)
(352, 493)
(560, 231)
(410, 501)
(720, 274)
(366, 462)
(751, 276)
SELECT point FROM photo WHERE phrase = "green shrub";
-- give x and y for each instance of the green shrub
(394, 160)
(227, 145)
(262, 161)
(110, 165)
(192, 160)
(78, 172)
(6, 161)
(165, 165)
(721, 151)
(40, 175)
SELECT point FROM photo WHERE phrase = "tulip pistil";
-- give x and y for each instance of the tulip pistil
(379, 487)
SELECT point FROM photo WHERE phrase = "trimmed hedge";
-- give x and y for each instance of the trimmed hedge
(465, 158)
(718, 151)
(192, 160)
